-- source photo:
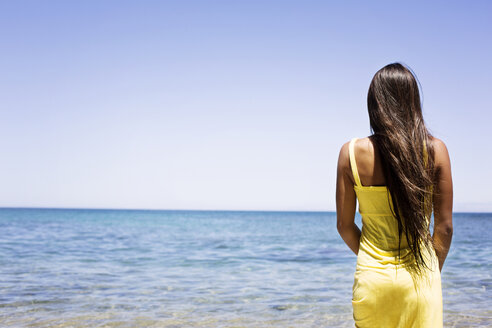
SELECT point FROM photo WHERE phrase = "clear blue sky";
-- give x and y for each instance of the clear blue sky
(226, 104)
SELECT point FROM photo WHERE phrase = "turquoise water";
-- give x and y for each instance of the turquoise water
(120, 268)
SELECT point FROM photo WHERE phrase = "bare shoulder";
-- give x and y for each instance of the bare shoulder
(438, 144)
(364, 145)
(361, 145)
(364, 152)
(344, 170)
(441, 154)
(343, 156)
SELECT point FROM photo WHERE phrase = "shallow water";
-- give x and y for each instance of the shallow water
(120, 268)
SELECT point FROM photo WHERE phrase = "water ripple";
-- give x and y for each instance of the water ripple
(86, 268)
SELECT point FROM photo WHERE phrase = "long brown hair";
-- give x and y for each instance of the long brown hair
(399, 132)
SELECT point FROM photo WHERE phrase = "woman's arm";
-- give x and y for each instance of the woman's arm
(443, 202)
(345, 198)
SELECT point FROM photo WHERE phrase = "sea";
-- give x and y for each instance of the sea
(151, 268)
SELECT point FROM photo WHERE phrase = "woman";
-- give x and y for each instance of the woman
(398, 175)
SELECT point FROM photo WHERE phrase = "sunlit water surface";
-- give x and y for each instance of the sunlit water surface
(120, 268)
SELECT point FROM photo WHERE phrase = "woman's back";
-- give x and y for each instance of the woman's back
(380, 228)
(373, 195)
(387, 292)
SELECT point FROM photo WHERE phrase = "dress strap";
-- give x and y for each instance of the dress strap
(353, 164)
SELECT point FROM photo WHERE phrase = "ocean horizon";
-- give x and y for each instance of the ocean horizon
(197, 210)
(69, 267)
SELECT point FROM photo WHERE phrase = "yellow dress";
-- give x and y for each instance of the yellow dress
(386, 292)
